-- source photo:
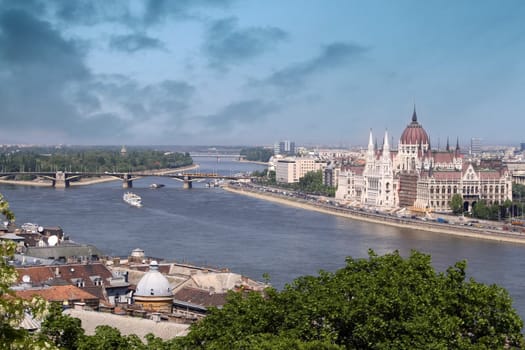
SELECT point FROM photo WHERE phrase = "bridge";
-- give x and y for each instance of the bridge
(62, 179)
(212, 155)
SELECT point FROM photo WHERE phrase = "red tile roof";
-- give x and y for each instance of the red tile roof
(41, 274)
(200, 297)
(57, 293)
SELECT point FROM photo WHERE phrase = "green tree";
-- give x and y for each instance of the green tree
(63, 330)
(259, 154)
(312, 182)
(14, 309)
(481, 210)
(383, 302)
(456, 204)
(109, 338)
(5, 211)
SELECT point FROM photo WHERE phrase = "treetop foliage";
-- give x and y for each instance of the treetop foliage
(258, 154)
(90, 159)
(383, 302)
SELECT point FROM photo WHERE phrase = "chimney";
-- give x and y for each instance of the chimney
(155, 316)
(79, 306)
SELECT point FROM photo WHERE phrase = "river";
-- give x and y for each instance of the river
(209, 226)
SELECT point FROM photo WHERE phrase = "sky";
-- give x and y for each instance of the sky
(251, 72)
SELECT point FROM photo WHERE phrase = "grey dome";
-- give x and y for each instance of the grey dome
(153, 283)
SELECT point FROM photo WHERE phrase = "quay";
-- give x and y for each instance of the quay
(382, 218)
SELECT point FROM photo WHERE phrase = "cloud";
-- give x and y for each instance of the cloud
(226, 44)
(145, 111)
(135, 42)
(241, 113)
(51, 94)
(29, 43)
(157, 10)
(332, 56)
(137, 15)
(37, 65)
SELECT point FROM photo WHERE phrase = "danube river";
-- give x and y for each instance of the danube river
(209, 226)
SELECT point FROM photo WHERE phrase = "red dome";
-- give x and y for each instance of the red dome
(414, 133)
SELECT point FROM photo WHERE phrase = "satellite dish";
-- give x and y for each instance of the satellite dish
(26, 279)
(40, 229)
(52, 241)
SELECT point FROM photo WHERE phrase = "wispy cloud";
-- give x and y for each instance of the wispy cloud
(141, 15)
(227, 44)
(135, 42)
(332, 56)
(241, 113)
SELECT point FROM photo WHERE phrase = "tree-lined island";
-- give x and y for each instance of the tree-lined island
(89, 159)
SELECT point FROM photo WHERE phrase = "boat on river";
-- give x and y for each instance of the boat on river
(155, 186)
(132, 199)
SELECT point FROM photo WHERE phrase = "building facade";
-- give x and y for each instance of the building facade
(417, 177)
(291, 169)
(285, 147)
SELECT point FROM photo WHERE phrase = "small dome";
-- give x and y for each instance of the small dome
(414, 133)
(153, 283)
(137, 252)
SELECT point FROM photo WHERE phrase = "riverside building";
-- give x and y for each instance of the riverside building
(291, 169)
(417, 177)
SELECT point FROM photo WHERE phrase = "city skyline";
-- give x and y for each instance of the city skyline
(229, 72)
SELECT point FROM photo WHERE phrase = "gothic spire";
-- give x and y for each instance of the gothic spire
(457, 144)
(448, 145)
(370, 145)
(386, 146)
(414, 115)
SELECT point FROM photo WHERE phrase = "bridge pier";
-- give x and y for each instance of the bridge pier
(126, 182)
(187, 183)
(61, 180)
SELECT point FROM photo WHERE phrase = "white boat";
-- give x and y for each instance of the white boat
(154, 186)
(132, 199)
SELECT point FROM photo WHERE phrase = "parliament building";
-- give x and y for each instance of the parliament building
(419, 178)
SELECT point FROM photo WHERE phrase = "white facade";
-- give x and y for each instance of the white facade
(291, 169)
(378, 177)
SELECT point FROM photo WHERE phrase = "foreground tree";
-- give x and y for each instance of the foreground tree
(383, 302)
(64, 331)
(13, 309)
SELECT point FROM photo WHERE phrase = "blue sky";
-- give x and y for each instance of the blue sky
(232, 72)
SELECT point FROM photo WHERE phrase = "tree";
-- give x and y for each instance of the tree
(383, 302)
(5, 211)
(109, 338)
(63, 330)
(481, 210)
(456, 204)
(14, 309)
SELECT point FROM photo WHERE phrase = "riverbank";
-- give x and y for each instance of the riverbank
(93, 181)
(455, 230)
(253, 162)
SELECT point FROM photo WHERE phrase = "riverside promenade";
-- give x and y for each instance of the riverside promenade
(381, 218)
